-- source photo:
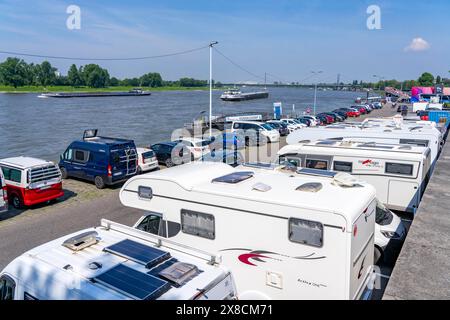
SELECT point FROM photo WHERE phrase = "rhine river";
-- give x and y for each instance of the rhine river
(43, 128)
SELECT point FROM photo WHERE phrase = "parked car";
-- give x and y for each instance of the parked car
(227, 140)
(351, 112)
(262, 131)
(329, 119)
(232, 158)
(290, 127)
(146, 160)
(324, 120)
(305, 121)
(314, 120)
(390, 231)
(31, 181)
(292, 123)
(3, 194)
(341, 113)
(280, 126)
(336, 117)
(378, 105)
(198, 147)
(103, 160)
(171, 153)
(362, 110)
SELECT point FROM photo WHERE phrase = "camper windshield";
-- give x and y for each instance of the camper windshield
(383, 215)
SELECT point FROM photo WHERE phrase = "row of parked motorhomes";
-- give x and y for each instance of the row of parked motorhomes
(310, 225)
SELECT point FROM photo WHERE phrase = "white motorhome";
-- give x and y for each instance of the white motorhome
(389, 228)
(115, 262)
(309, 236)
(414, 135)
(398, 172)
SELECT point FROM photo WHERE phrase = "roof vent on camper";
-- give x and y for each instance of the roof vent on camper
(262, 187)
(180, 273)
(310, 187)
(81, 241)
(235, 177)
(343, 179)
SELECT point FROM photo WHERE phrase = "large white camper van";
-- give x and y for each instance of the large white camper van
(398, 172)
(419, 135)
(115, 262)
(308, 236)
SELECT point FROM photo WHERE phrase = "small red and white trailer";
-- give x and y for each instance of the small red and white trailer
(30, 181)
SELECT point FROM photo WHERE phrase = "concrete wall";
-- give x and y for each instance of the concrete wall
(422, 270)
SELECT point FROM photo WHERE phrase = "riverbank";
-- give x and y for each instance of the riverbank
(68, 89)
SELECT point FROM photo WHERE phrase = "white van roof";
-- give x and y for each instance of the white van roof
(25, 162)
(261, 189)
(348, 147)
(99, 259)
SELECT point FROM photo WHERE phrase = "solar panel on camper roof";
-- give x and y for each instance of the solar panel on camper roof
(132, 283)
(326, 143)
(138, 252)
(317, 172)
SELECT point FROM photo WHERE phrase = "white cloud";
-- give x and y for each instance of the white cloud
(418, 44)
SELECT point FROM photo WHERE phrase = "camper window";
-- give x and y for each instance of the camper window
(317, 164)
(306, 232)
(198, 224)
(343, 166)
(81, 156)
(12, 174)
(7, 288)
(399, 168)
(293, 161)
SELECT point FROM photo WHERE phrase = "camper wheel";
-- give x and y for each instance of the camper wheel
(17, 201)
(99, 182)
(377, 255)
(64, 174)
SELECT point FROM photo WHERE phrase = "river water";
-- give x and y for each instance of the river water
(43, 128)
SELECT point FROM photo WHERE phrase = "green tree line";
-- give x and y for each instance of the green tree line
(16, 72)
(425, 80)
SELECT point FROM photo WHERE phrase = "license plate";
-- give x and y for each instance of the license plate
(45, 188)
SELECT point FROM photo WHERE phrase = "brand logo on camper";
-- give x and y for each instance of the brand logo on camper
(252, 256)
(370, 163)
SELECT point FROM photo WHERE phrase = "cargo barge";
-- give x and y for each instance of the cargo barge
(132, 93)
(237, 95)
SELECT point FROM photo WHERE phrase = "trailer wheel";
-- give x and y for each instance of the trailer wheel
(377, 255)
(17, 201)
(99, 182)
(64, 174)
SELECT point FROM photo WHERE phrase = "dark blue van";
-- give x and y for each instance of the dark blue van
(103, 160)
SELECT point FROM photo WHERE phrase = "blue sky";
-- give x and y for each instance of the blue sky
(287, 39)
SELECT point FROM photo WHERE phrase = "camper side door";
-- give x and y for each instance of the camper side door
(362, 250)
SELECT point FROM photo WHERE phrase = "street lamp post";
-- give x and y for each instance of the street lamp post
(315, 89)
(210, 85)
